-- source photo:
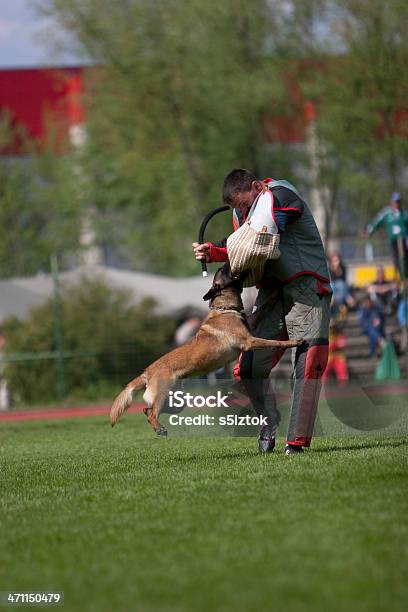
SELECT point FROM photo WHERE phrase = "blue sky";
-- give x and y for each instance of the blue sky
(23, 37)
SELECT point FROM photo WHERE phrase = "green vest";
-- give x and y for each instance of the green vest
(394, 221)
(301, 246)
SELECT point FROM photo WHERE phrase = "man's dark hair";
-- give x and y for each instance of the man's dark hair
(237, 181)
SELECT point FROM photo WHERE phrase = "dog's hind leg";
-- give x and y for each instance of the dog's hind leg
(157, 391)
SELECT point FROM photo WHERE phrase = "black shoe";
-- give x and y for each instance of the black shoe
(293, 449)
(266, 444)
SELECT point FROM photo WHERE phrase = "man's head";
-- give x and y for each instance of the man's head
(380, 275)
(367, 302)
(335, 260)
(241, 188)
(396, 200)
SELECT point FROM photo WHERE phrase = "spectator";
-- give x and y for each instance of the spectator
(337, 362)
(186, 330)
(337, 268)
(372, 321)
(403, 312)
(395, 220)
(342, 297)
(384, 293)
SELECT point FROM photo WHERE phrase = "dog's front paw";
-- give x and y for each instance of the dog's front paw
(293, 343)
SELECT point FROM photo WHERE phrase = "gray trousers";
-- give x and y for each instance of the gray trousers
(299, 310)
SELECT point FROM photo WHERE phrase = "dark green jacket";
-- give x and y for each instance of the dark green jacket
(394, 221)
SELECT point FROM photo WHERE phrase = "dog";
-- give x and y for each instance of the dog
(222, 336)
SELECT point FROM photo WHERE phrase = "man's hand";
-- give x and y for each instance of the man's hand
(201, 251)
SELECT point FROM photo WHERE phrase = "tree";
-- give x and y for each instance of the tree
(107, 338)
(359, 89)
(180, 96)
(39, 207)
(175, 104)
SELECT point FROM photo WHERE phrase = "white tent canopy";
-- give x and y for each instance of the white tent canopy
(19, 295)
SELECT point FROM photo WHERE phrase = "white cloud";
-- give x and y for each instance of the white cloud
(24, 37)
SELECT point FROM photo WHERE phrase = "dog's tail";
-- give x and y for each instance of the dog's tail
(125, 397)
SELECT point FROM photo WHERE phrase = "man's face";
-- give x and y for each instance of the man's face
(380, 275)
(243, 200)
(396, 204)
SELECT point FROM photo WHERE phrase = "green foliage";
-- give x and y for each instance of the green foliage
(112, 341)
(360, 91)
(181, 93)
(177, 104)
(39, 206)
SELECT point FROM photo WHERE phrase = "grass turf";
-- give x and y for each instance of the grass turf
(120, 520)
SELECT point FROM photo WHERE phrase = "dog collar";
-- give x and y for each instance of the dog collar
(228, 309)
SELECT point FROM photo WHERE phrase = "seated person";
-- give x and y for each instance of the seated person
(402, 312)
(337, 362)
(337, 268)
(341, 293)
(384, 292)
(372, 323)
(187, 330)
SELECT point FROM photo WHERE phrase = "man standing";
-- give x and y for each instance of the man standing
(294, 298)
(395, 220)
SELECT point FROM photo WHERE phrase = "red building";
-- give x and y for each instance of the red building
(38, 98)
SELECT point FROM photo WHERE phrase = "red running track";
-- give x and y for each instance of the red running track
(68, 413)
(60, 413)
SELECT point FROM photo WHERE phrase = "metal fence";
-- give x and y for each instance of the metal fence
(359, 249)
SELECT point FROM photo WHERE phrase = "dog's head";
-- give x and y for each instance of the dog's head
(223, 279)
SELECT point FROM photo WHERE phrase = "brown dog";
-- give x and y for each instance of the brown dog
(220, 339)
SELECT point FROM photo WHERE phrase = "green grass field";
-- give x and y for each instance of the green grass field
(120, 520)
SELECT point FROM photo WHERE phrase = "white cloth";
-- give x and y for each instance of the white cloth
(254, 242)
(261, 214)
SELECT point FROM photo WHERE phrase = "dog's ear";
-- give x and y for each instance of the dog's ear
(230, 280)
(226, 268)
(238, 282)
(226, 278)
(212, 292)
